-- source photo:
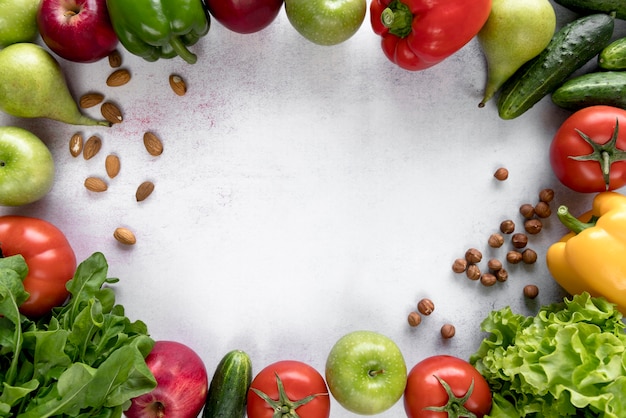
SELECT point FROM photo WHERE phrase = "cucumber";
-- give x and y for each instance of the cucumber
(597, 88)
(613, 57)
(596, 6)
(570, 48)
(229, 387)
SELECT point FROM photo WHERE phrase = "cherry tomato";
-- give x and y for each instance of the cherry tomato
(289, 385)
(426, 394)
(588, 152)
(50, 259)
(244, 16)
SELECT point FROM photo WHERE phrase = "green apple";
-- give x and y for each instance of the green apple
(18, 21)
(366, 372)
(26, 167)
(326, 22)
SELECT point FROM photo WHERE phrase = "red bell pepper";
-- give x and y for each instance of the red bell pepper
(417, 34)
(50, 259)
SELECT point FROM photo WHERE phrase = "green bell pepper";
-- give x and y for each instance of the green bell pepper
(154, 29)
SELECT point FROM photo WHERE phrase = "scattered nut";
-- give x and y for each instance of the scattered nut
(112, 165)
(90, 100)
(144, 190)
(425, 306)
(529, 256)
(507, 227)
(502, 275)
(546, 195)
(448, 331)
(111, 112)
(92, 147)
(115, 59)
(495, 240)
(178, 85)
(488, 279)
(533, 226)
(519, 240)
(501, 174)
(118, 78)
(473, 272)
(153, 144)
(494, 264)
(414, 319)
(531, 291)
(124, 236)
(95, 184)
(513, 257)
(542, 210)
(76, 144)
(473, 256)
(527, 210)
(459, 265)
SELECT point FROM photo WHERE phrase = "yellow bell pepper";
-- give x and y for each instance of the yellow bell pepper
(592, 257)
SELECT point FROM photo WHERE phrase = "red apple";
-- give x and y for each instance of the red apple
(182, 383)
(77, 30)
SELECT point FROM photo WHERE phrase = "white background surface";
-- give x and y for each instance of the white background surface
(305, 192)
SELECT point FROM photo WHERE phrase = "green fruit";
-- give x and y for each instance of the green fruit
(326, 22)
(18, 21)
(515, 32)
(32, 85)
(26, 167)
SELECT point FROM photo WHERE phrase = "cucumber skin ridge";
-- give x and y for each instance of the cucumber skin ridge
(570, 48)
(597, 88)
(229, 386)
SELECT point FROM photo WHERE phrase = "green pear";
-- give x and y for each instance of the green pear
(32, 85)
(515, 32)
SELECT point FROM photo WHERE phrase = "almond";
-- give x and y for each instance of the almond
(178, 85)
(144, 190)
(90, 100)
(95, 184)
(115, 59)
(92, 147)
(124, 236)
(112, 165)
(111, 112)
(153, 144)
(118, 78)
(76, 144)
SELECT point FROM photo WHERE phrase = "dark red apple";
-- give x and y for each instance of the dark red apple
(77, 30)
(182, 383)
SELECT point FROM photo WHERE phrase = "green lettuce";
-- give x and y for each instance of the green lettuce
(86, 359)
(568, 360)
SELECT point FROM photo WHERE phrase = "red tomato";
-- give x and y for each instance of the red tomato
(299, 381)
(426, 388)
(50, 259)
(244, 16)
(603, 166)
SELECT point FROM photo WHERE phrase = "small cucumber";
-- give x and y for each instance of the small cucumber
(570, 48)
(596, 6)
(613, 57)
(597, 88)
(229, 387)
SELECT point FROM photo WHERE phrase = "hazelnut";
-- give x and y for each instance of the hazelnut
(514, 257)
(546, 195)
(473, 256)
(425, 306)
(495, 240)
(531, 291)
(494, 264)
(542, 210)
(448, 331)
(507, 227)
(533, 226)
(459, 265)
(529, 256)
(502, 275)
(414, 319)
(519, 240)
(527, 210)
(501, 174)
(473, 272)
(488, 279)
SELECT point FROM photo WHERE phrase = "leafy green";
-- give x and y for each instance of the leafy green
(568, 360)
(87, 359)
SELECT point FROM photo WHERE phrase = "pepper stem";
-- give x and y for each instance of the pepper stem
(571, 222)
(182, 50)
(397, 17)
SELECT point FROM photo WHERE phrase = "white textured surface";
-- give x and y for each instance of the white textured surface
(305, 192)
